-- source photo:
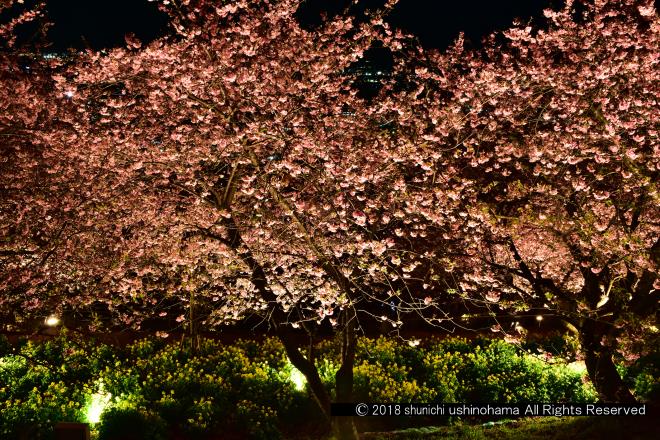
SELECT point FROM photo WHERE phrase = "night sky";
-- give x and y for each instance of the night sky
(99, 24)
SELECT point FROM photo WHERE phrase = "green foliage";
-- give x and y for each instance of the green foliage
(386, 351)
(36, 413)
(131, 423)
(199, 392)
(643, 375)
(41, 384)
(245, 389)
(388, 383)
(260, 422)
(495, 371)
(565, 346)
(458, 370)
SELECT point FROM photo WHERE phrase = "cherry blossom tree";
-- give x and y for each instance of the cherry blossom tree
(232, 168)
(548, 172)
(218, 167)
(31, 212)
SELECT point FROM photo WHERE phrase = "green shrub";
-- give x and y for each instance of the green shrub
(391, 383)
(130, 423)
(259, 422)
(389, 351)
(641, 372)
(647, 386)
(495, 371)
(564, 346)
(246, 389)
(37, 413)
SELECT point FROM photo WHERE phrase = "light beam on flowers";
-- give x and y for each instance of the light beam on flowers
(98, 403)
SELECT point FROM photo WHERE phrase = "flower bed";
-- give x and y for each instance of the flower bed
(249, 389)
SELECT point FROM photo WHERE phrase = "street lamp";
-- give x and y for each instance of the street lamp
(52, 321)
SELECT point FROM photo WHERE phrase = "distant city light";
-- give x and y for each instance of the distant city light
(52, 321)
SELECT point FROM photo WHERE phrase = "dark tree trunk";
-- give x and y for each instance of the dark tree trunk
(308, 369)
(601, 368)
(344, 427)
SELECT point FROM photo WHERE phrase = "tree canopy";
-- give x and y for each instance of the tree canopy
(235, 165)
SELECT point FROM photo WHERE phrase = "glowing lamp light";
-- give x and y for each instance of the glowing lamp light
(539, 318)
(98, 403)
(297, 378)
(52, 321)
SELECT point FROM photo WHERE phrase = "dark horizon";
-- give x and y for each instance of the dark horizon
(80, 24)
